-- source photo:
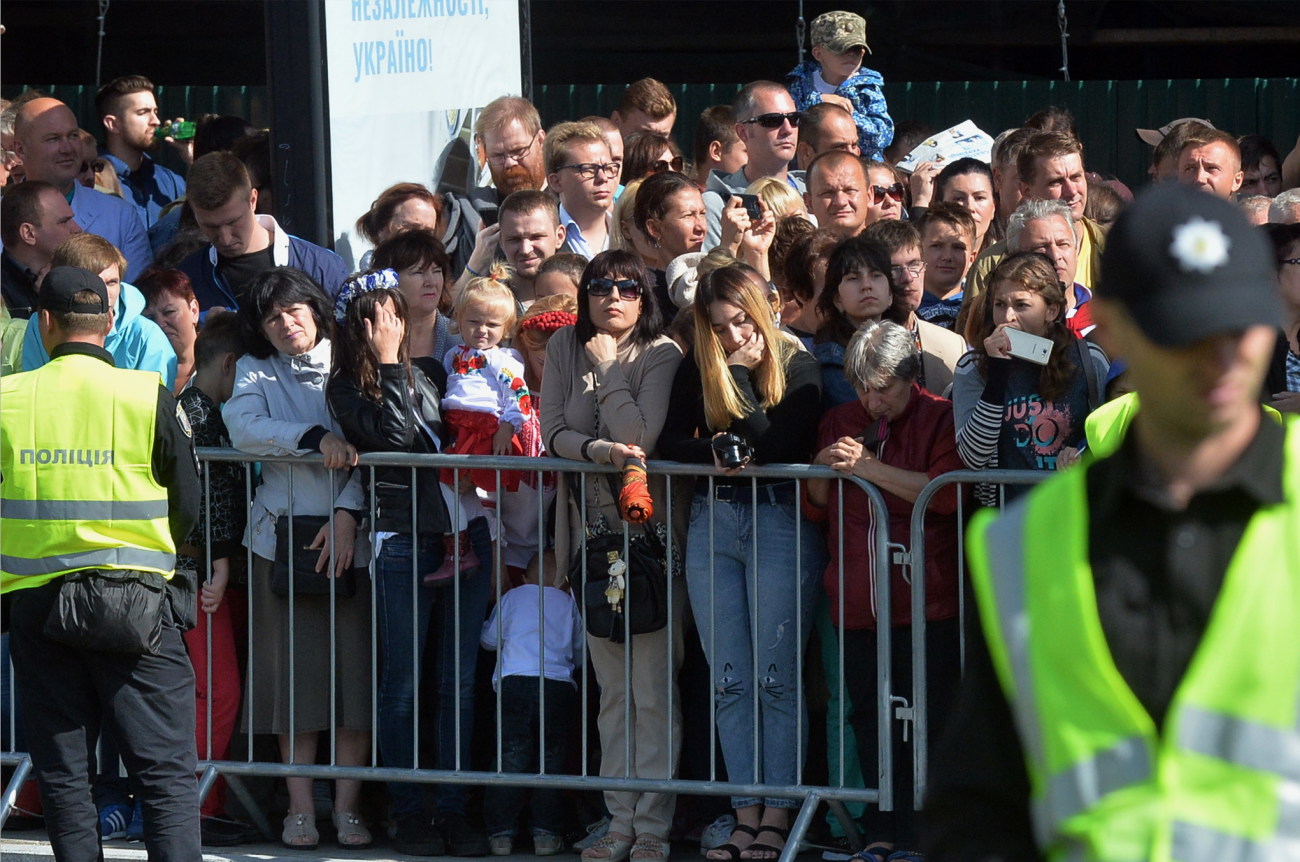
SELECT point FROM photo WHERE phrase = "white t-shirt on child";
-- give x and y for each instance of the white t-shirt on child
(522, 652)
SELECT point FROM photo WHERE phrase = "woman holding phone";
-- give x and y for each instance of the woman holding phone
(1013, 410)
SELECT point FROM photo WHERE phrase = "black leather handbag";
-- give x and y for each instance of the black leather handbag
(623, 594)
(302, 530)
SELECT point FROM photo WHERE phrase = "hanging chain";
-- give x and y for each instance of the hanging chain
(99, 53)
(800, 30)
(1064, 27)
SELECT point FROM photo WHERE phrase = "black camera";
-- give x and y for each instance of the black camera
(732, 451)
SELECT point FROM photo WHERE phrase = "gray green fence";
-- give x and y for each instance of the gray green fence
(1107, 111)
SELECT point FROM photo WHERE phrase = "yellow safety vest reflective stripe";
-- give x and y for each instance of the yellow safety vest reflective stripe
(80, 494)
(1221, 779)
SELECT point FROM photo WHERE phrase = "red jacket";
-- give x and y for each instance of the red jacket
(922, 439)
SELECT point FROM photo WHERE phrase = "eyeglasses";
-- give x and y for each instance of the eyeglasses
(628, 288)
(517, 156)
(878, 193)
(1295, 261)
(774, 121)
(914, 269)
(660, 166)
(588, 170)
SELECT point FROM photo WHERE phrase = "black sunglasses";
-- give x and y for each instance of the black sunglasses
(878, 193)
(660, 166)
(774, 121)
(628, 288)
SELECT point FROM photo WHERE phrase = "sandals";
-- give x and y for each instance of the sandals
(351, 832)
(733, 853)
(649, 848)
(874, 853)
(609, 848)
(761, 850)
(300, 832)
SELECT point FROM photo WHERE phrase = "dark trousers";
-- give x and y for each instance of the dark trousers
(943, 672)
(520, 732)
(70, 695)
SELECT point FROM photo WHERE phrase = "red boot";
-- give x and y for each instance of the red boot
(448, 570)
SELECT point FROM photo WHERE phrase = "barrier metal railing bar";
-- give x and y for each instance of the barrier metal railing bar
(809, 795)
(914, 569)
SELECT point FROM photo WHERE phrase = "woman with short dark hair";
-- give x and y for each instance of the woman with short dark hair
(606, 387)
(311, 670)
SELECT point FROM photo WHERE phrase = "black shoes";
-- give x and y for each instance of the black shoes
(416, 836)
(462, 838)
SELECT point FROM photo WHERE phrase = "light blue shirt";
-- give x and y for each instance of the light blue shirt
(575, 242)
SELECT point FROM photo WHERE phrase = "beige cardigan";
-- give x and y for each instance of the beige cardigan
(634, 392)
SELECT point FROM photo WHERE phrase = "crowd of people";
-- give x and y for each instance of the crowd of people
(608, 299)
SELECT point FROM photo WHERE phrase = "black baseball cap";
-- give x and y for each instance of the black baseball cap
(62, 284)
(1187, 265)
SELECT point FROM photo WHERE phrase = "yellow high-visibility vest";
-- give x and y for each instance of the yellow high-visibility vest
(76, 447)
(1220, 780)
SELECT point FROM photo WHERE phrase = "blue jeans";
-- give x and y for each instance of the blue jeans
(402, 609)
(754, 614)
(405, 617)
(454, 663)
(521, 714)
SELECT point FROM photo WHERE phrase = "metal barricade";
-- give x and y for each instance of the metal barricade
(460, 773)
(458, 770)
(914, 566)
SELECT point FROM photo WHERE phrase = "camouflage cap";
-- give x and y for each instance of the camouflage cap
(840, 31)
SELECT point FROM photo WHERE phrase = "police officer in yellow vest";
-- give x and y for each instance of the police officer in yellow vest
(1136, 694)
(99, 485)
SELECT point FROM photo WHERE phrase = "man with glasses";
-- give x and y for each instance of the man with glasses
(767, 123)
(580, 166)
(940, 348)
(509, 139)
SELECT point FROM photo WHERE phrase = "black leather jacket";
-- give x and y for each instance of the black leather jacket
(389, 425)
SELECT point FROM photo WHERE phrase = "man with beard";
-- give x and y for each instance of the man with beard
(508, 138)
(129, 112)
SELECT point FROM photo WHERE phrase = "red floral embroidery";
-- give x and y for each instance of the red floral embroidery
(462, 365)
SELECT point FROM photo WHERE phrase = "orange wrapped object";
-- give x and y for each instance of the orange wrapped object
(634, 503)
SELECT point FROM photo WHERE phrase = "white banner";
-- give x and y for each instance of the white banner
(406, 78)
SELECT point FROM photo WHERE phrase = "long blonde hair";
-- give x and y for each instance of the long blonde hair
(723, 400)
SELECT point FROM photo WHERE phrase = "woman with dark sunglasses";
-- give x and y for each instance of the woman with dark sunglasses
(884, 193)
(649, 152)
(605, 389)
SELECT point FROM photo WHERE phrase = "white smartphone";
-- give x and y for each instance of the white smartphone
(1032, 348)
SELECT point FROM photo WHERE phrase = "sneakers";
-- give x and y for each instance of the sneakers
(501, 845)
(595, 832)
(135, 829)
(462, 838)
(717, 833)
(415, 836)
(113, 819)
(547, 844)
